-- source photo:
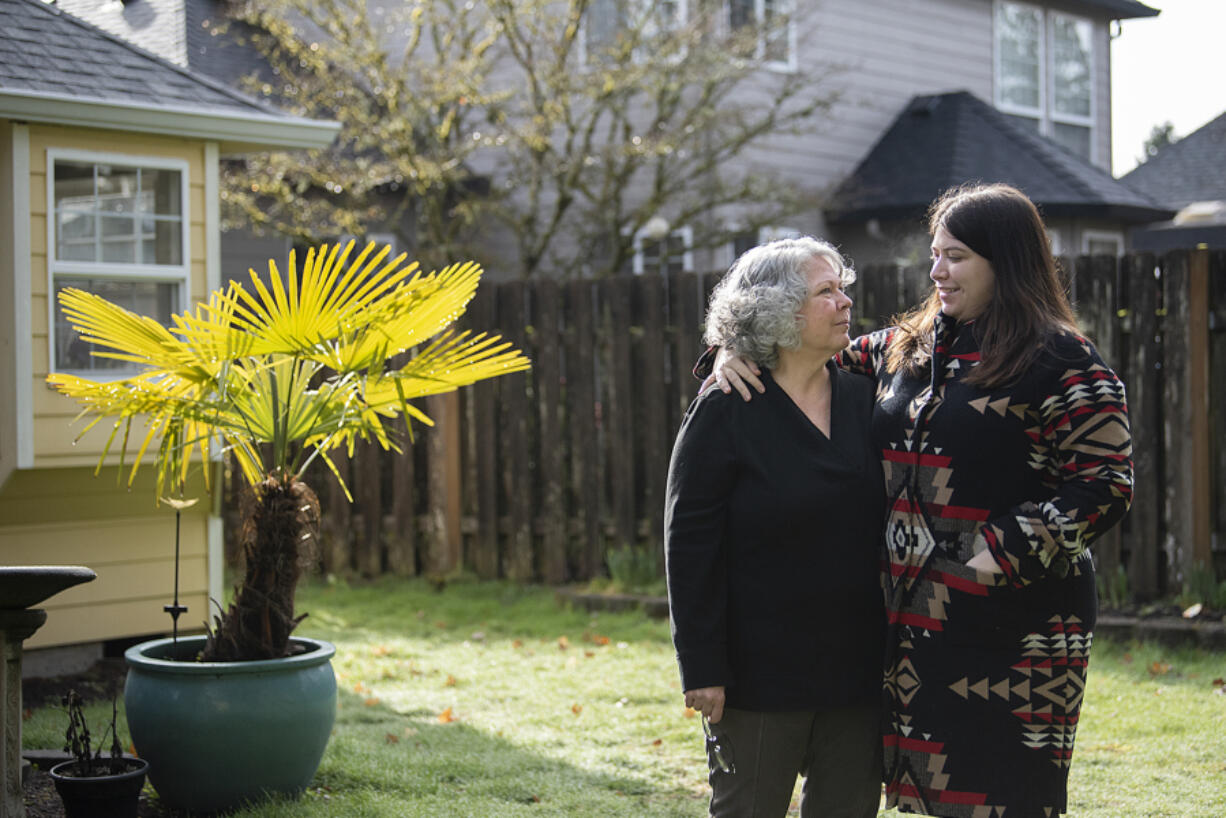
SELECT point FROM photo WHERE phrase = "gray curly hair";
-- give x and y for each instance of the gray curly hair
(753, 308)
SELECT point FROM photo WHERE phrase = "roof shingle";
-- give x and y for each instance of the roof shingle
(46, 51)
(943, 140)
(1190, 170)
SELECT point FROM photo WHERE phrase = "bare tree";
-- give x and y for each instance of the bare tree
(569, 123)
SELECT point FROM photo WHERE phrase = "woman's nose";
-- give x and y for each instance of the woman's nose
(937, 271)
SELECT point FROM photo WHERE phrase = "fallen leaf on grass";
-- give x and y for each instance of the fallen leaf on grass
(360, 688)
(601, 640)
(588, 654)
(1219, 682)
(1128, 658)
(391, 738)
(563, 643)
(450, 682)
(1159, 668)
(657, 742)
(371, 702)
(576, 709)
(518, 643)
(381, 650)
(26, 714)
(445, 717)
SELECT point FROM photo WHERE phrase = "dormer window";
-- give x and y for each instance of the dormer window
(1044, 73)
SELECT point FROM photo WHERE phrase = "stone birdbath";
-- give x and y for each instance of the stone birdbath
(22, 587)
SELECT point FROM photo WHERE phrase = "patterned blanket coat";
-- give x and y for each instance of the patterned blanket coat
(984, 674)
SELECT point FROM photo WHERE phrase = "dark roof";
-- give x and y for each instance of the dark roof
(46, 51)
(1190, 170)
(944, 140)
(1119, 9)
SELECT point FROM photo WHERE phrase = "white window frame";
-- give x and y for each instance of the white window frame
(686, 234)
(770, 232)
(1045, 114)
(789, 7)
(1113, 236)
(645, 6)
(121, 271)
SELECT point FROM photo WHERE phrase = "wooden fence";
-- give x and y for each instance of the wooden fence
(535, 476)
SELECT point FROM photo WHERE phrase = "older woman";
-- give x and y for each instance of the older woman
(773, 539)
(1006, 448)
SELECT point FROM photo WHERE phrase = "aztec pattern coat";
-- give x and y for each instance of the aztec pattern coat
(984, 674)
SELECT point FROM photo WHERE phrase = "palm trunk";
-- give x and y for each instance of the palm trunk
(277, 530)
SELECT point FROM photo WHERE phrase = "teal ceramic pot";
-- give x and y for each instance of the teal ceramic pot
(219, 734)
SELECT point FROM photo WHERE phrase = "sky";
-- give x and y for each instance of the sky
(1169, 67)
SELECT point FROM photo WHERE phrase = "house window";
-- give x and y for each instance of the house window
(672, 254)
(748, 239)
(772, 28)
(1044, 73)
(117, 228)
(1102, 243)
(608, 23)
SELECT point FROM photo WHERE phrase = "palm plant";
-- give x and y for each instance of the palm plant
(279, 377)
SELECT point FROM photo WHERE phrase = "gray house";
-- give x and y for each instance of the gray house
(1031, 77)
(1188, 177)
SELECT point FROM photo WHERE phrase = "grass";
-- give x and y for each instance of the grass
(491, 699)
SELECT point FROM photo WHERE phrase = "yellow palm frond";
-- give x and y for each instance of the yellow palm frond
(303, 362)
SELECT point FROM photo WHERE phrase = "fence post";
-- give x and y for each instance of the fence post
(484, 557)
(443, 479)
(1096, 284)
(1146, 566)
(546, 374)
(1186, 422)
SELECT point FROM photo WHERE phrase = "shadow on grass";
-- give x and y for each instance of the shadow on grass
(413, 759)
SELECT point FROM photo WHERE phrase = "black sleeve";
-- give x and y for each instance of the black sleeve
(705, 363)
(701, 476)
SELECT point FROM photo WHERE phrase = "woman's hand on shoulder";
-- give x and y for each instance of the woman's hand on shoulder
(731, 372)
(707, 700)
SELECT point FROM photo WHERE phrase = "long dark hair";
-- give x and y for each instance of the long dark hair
(1029, 304)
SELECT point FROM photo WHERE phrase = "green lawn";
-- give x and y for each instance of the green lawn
(489, 699)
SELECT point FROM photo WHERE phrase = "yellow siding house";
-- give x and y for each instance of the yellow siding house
(109, 162)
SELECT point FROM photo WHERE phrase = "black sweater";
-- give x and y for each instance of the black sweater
(773, 534)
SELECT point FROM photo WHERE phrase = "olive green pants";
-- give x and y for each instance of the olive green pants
(837, 751)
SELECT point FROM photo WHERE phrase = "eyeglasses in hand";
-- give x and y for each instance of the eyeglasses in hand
(716, 750)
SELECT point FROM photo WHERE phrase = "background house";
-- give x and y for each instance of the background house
(108, 182)
(1188, 176)
(1044, 66)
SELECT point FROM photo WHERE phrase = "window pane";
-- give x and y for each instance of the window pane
(168, 247)
(109, 199)
(117, 226)
(157, 299)
(162, 194)
(1070, 66)
(603, 22)
(1017, 39)
(119, 252)
(775, 22)
(1074, 137)
(740, 13)
(1103, 247)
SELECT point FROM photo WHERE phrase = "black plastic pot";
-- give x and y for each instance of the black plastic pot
(100, 796)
